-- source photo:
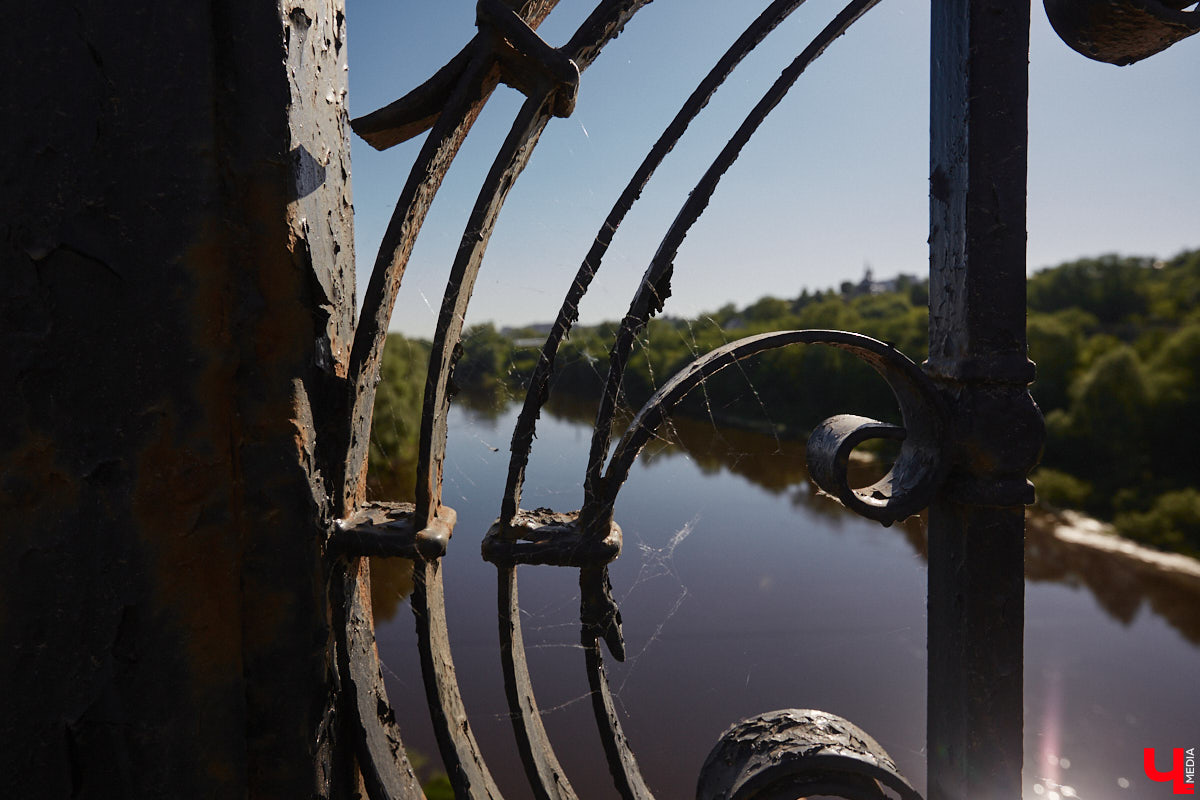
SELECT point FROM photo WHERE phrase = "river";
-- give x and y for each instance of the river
(743, 591)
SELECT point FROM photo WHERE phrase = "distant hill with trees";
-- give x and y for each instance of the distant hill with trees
(1116, 340)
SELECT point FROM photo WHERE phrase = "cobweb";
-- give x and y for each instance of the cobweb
(657, 563)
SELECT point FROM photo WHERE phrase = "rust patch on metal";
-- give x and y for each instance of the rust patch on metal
(192, 557)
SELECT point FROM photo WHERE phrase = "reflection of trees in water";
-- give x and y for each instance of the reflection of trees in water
(395, 481)
(391, 583)
(489, 401)
(775, 464)
(392, 473)
(1122, 586)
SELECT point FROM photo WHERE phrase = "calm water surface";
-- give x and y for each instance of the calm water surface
(742, 592)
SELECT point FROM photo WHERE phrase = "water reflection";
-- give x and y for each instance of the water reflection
(391, 584)
(1121, 586)
(743, 592)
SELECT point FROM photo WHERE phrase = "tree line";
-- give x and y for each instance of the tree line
(1116, 341)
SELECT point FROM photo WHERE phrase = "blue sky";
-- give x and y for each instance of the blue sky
(835, 180)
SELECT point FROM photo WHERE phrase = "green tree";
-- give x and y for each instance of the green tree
(1111, 287)
(1116, 340)
(1102, 435)
(1055, 342)
(767, 309)
(1172, 523)
(1173, 377)
(397, 418)
(485, 357)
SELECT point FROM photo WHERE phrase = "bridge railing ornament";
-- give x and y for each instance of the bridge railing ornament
(969, 435)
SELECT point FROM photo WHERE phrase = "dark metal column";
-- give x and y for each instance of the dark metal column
(977, 353)
(176, 243)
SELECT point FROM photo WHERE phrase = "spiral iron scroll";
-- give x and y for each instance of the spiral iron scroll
(506, 49)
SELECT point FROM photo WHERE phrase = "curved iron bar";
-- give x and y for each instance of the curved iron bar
(599, 615)
(1122, 32)
(906, 489)
(539, 382)
(536, 751)
(417, 111)
(446, 349)
(608, 18)
(546, 776)
(505, 50)
(385, 769)
(476, 71)
(601, 619)
(540, 536)
(656, 282)
(379, 529)
(550, 77)
(551, 89)
(461, 757)
(811, 753)
(387, 773)
(396, 529)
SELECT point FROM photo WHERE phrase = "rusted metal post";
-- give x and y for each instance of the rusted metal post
(977, 354)
(174, 316)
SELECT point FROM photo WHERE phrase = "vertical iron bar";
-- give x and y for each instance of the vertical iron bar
(979, 94)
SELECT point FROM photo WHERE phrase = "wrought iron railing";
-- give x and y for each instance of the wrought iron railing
(970, 430)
